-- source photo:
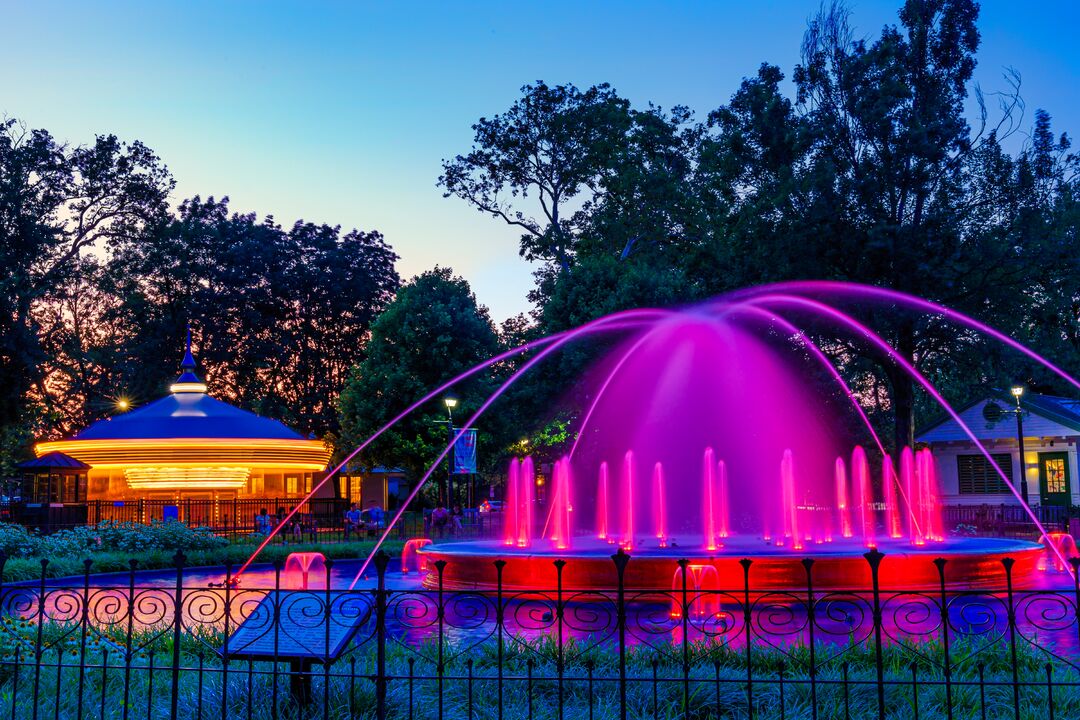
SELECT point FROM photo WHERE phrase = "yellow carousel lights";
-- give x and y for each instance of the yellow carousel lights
(189, 440)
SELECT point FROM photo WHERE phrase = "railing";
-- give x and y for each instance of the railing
(1007, 520)
(143, 648)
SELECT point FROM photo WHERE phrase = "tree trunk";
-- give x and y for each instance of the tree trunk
(902, 387)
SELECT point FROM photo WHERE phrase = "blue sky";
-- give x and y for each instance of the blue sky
(342, 112)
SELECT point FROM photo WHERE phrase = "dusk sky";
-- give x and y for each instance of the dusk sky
(342, 112)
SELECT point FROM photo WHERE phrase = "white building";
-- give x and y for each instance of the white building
(1051, 428)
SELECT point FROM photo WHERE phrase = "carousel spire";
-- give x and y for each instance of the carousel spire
(189, 381)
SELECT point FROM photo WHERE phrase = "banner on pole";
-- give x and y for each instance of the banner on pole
(465, 453)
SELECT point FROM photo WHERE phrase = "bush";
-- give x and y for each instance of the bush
(17, 541)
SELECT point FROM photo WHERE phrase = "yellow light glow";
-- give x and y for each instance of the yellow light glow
(304, 455)
(186, 477)
(123, 404)
(187, 387)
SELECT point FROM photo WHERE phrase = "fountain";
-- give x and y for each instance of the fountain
(714, 435)
(304, 571)
(723, 451)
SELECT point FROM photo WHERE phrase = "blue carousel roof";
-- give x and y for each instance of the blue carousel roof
(188, 412)
(187, 415)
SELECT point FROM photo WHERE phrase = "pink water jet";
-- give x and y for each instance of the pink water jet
(860, 472)
(410, 555)
(926, 468)
(889, 482)
(561, 505)
(301, 568)
(702, 602)
(526, 483)
(602, 531)
(659, 505)
(723, 500)
(913, 491)
(628, 500)
(710, 501)
(510, 507)
(789, 502)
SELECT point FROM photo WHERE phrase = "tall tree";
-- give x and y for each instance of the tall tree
(279, 317)
(433, 330)
(551, 145)
(57, 202)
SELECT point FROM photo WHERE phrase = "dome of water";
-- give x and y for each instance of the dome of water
(724, 434)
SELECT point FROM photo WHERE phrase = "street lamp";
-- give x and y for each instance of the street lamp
(1017, 392)
(451, 402)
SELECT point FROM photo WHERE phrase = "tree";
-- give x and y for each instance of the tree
(56, 202)
(432, 331)
(889, 145)
(553, 143)
(870, 173)
(279, 317)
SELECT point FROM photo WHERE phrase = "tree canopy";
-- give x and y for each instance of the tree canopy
(870, 172)
(432, 331)
(102, 278)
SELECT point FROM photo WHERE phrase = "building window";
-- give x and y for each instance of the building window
(978, 477)
(291, 485)
(1055, 475)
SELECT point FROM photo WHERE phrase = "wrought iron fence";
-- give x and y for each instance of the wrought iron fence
(166, 645)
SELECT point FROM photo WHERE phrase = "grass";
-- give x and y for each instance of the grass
(29, 568)
(112, 688)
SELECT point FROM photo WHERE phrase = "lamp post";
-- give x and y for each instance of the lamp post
(1017, 392)
(451, 402)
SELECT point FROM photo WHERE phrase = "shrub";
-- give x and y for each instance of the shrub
(126, 537)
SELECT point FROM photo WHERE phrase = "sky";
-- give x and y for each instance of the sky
(342, 112)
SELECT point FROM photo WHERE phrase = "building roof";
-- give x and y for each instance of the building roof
(53, 461)
(187, 415)
(1044, 415)
(187, 412)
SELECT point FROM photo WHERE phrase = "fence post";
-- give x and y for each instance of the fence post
(178, 602)
(874, 558)
(1075, 562)
(381, 562)
(1007, 563)
(808, 564)
(621, 558)
(944, 610)
(227, 616)
(327, 660)
(684, 566)
(440, 565)
(746, 563)
(40, 642)
(84, 625)
(499, 619)
(560, 661)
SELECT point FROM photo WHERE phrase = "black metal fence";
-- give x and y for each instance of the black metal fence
(165, 645)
